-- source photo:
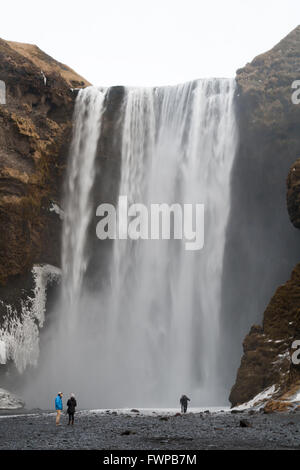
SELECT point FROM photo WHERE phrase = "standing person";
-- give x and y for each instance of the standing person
(71, 404)
(184, 403)
(58, 407)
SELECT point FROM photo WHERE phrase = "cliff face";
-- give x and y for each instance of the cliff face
(35, 130)
(267, 359)
(262, 245)
(268, 351)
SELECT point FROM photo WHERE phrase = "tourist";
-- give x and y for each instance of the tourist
(58, 407)
(184, 403)
(71, 404)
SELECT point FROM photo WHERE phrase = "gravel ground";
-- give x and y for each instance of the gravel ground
(108, 431)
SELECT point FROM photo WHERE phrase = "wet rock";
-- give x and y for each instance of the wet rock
(127, 432)
(134, 410)
(244, 423)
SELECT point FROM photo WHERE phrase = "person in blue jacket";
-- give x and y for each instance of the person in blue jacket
(58, 407)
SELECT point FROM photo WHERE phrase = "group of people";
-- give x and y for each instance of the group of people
(71, 406)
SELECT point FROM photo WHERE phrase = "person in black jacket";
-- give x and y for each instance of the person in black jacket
(184, 403)
(71, 404)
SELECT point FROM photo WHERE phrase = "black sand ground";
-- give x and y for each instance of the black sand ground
(190, 432)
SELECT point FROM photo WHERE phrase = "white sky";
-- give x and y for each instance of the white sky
(150, 42)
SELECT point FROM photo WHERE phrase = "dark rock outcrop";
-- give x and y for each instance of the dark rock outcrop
(106, 185)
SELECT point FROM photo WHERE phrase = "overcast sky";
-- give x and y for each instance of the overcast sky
(150, 42)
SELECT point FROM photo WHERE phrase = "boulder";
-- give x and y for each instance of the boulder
(244, 423)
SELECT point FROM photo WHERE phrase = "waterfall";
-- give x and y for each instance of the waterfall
(178, 145)
(80, 178)
(151, 332)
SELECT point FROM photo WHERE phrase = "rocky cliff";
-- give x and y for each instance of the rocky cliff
(262, 245)
(35, 130)
(273, 124)
(268, 349)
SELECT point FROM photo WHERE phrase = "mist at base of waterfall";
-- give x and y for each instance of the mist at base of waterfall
(76, 363)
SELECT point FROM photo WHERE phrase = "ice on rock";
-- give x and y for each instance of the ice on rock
(9, 401)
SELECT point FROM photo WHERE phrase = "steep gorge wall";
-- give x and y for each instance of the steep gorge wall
(267, 358)
(262, 246)
(34, 135)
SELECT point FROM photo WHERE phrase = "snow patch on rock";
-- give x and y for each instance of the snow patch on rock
(259, 400)
(44, 78)
(55, 208)
(9, 401)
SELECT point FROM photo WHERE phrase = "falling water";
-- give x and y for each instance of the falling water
(80, 178)
(178, 146)
(152, 333)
